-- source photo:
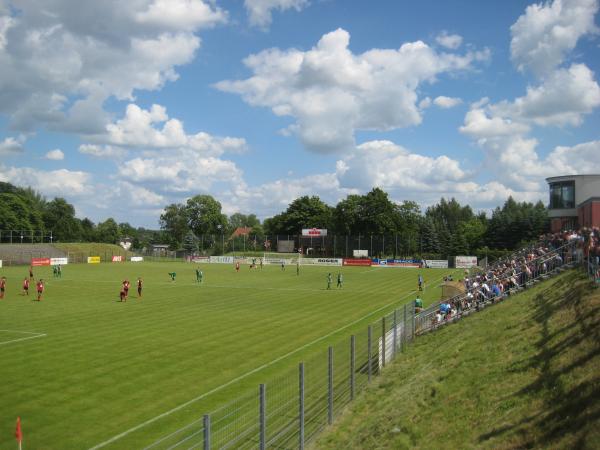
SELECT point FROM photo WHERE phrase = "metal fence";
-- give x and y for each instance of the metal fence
(26, 237)
(289, 411)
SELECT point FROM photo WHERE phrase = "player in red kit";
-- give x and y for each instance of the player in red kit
(2, 286)
(40, 289)
(31, 273)
(139, 286)
(122, 295)
(237, 266)
(26, 286)
(126, 288)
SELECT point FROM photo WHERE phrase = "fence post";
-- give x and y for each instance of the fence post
(412, 321)
(330, 388)
(369, 351)
(301, 407)
(404, 329)
(383, 341)
(206, 431)
(263, 419)
(394, 349)
(352, 363)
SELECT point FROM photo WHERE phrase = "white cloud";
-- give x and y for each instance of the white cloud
(447, 102)
(547, 32)
(61, 62)
(451, 41)
(332, 92)
(259, 11)
(140, 128)
(390, 166)
(55, 155)
(180, 15)
(60, 183)
(564, 97)
(425, 103)
(103, 151)
(11, 145)
(582, 158)
(479, 124)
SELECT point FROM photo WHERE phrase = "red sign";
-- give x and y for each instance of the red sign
(357, 262)
(118, 258)
(40, 262)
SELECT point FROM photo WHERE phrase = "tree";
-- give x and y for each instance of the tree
(190, 242)
(204, 215)
(59, 217)
(379, 215)
(304, 212)
(17, 214)
(174, 221)
(238, 220)
(88, 230)
(347, 215)
(108, 231)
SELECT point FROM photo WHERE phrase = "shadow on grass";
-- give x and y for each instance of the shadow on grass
(567, 361)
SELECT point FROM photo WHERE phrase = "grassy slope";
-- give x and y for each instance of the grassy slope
(523, 374)
(106, 366)
(92, 249)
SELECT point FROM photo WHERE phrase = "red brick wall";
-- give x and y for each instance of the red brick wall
(589, 214)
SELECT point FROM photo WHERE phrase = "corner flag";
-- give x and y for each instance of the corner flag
(18, 432)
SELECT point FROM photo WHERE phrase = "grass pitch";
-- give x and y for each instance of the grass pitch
(80, 367)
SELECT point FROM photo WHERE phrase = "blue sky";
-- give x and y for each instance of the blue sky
(125, 107)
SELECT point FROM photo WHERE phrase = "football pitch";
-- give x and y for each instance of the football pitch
(84, 370)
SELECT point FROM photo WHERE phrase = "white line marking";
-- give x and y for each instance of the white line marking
(23, 339)
(241, 377)
(24, 332)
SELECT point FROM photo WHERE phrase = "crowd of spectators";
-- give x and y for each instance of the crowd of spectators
(508, 275)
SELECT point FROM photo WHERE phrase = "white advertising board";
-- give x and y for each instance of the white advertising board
(360, 253)
(321, 261)
(279, 261)
(465, 262)
(437, 263)
(59, 261)
(314, 232)
(0, 263)
(221, 260)
(136, 259)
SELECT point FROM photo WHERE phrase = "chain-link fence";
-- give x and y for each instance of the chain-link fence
(290, 410)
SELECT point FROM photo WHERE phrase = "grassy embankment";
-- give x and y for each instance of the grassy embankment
(523, 374)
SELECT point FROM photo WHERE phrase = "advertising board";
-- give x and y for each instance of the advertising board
(412, 263)
(40, 262)
(360, 253)
(356, 262)
(465, 262)
(136, 259)
(59, 261)
(279, 261)
(200, 259)
(93, 260)
(221, 260)
(436, 263)
(321, 261)
(118, 258)
(0, 263)
(314, 232)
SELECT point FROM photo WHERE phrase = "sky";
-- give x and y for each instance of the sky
(125, 107)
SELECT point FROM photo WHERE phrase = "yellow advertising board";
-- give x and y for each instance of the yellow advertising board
(93, 259)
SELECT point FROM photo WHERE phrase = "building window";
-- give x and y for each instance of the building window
(562, 195)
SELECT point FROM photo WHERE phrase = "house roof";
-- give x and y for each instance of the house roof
(241, 231)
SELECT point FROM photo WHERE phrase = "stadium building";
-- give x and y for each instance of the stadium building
(574, 202)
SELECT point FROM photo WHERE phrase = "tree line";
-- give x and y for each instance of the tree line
(446, 228)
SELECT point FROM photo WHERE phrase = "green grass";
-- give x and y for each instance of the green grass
(522, 374)
(104, 367)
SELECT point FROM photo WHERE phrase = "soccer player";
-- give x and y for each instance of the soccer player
(59, 271)
(40, 289)
(237, 266)
(261, 263)
(418, 304)
(122, 294)
(25, 286)
(54, 271)
(172, 275)
(198, 276)
(340, 280)
(139, 286)
(283, 264)
(126, 288)
(2, 286)
(31, 273)
(298, 268)
(329, 279)
(420, 281)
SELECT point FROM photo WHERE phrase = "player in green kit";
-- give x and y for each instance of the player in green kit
(329, 279)
(298, 268)
(340, 280)
(172, 275)
(198, 276)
